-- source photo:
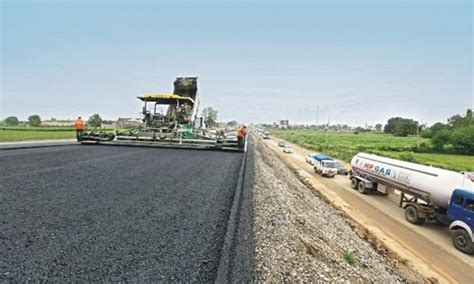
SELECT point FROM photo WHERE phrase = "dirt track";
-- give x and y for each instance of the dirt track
(428, 248)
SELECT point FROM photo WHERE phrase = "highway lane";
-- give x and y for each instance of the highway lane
(99, 213)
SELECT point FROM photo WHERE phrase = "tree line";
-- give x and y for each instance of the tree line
(209, 114)
(35, 120)
(457, 135)
(454, 136)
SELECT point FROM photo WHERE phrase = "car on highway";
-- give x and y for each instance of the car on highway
(281, 143)
(310, 158)
(341, 169)
(287, 149)
(266, 135)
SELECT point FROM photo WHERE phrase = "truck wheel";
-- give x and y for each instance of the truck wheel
(411, 214)
(361, 188)
(354, 183)
(462, 241)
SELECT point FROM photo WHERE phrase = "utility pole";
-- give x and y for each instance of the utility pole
(418, 136)
(327, 130)
(317, 115)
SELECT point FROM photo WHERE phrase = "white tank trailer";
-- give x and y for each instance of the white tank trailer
(434, 194)
(433, 186)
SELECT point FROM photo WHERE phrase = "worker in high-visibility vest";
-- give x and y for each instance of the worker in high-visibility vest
(79, 126)
(241, 132)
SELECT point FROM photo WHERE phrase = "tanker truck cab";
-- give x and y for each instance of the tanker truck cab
(325, 166)
(461, 215)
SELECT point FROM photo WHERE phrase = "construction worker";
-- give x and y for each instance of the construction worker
(79, 126)
(241, 132)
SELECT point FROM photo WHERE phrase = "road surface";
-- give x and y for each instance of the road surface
(99, 213)
(430, 245)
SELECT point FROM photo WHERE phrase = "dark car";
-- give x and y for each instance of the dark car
(281, 143)
(341, 169)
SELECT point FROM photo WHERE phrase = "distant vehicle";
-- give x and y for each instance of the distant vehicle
(266, 135)
(281, 143)
(310, 158)
(287, 149)
(434, 194)
(341, 169)
(325, 166)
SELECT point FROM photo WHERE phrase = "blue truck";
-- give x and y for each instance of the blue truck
(325, 166)
(461, 217)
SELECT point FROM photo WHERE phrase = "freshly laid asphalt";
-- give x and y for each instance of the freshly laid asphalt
(102, 213)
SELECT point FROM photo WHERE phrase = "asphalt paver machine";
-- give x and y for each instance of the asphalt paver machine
(170, 120)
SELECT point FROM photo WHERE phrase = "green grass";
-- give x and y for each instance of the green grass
(15, 135)
(23, 133)
(46, 128)
(349, 257)
(41, 128)
(405, 261)
(447, 161)
(344, 145)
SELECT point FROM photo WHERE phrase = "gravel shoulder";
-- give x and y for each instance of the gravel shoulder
(300, 237)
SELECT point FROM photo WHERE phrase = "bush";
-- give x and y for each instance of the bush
(407, 156)
(440, 138)
(405, 261)
(424, 148)
(426, 133)
(349, 257)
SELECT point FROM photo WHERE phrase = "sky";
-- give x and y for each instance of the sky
(358, 62)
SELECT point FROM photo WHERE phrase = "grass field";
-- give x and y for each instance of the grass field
(21, 133)
(15, 135)
(453, 162)
(344, 145)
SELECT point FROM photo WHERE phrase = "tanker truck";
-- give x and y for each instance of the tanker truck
(426, 193)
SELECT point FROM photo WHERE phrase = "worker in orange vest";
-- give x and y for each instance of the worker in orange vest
(241, 132)
(79, 126)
